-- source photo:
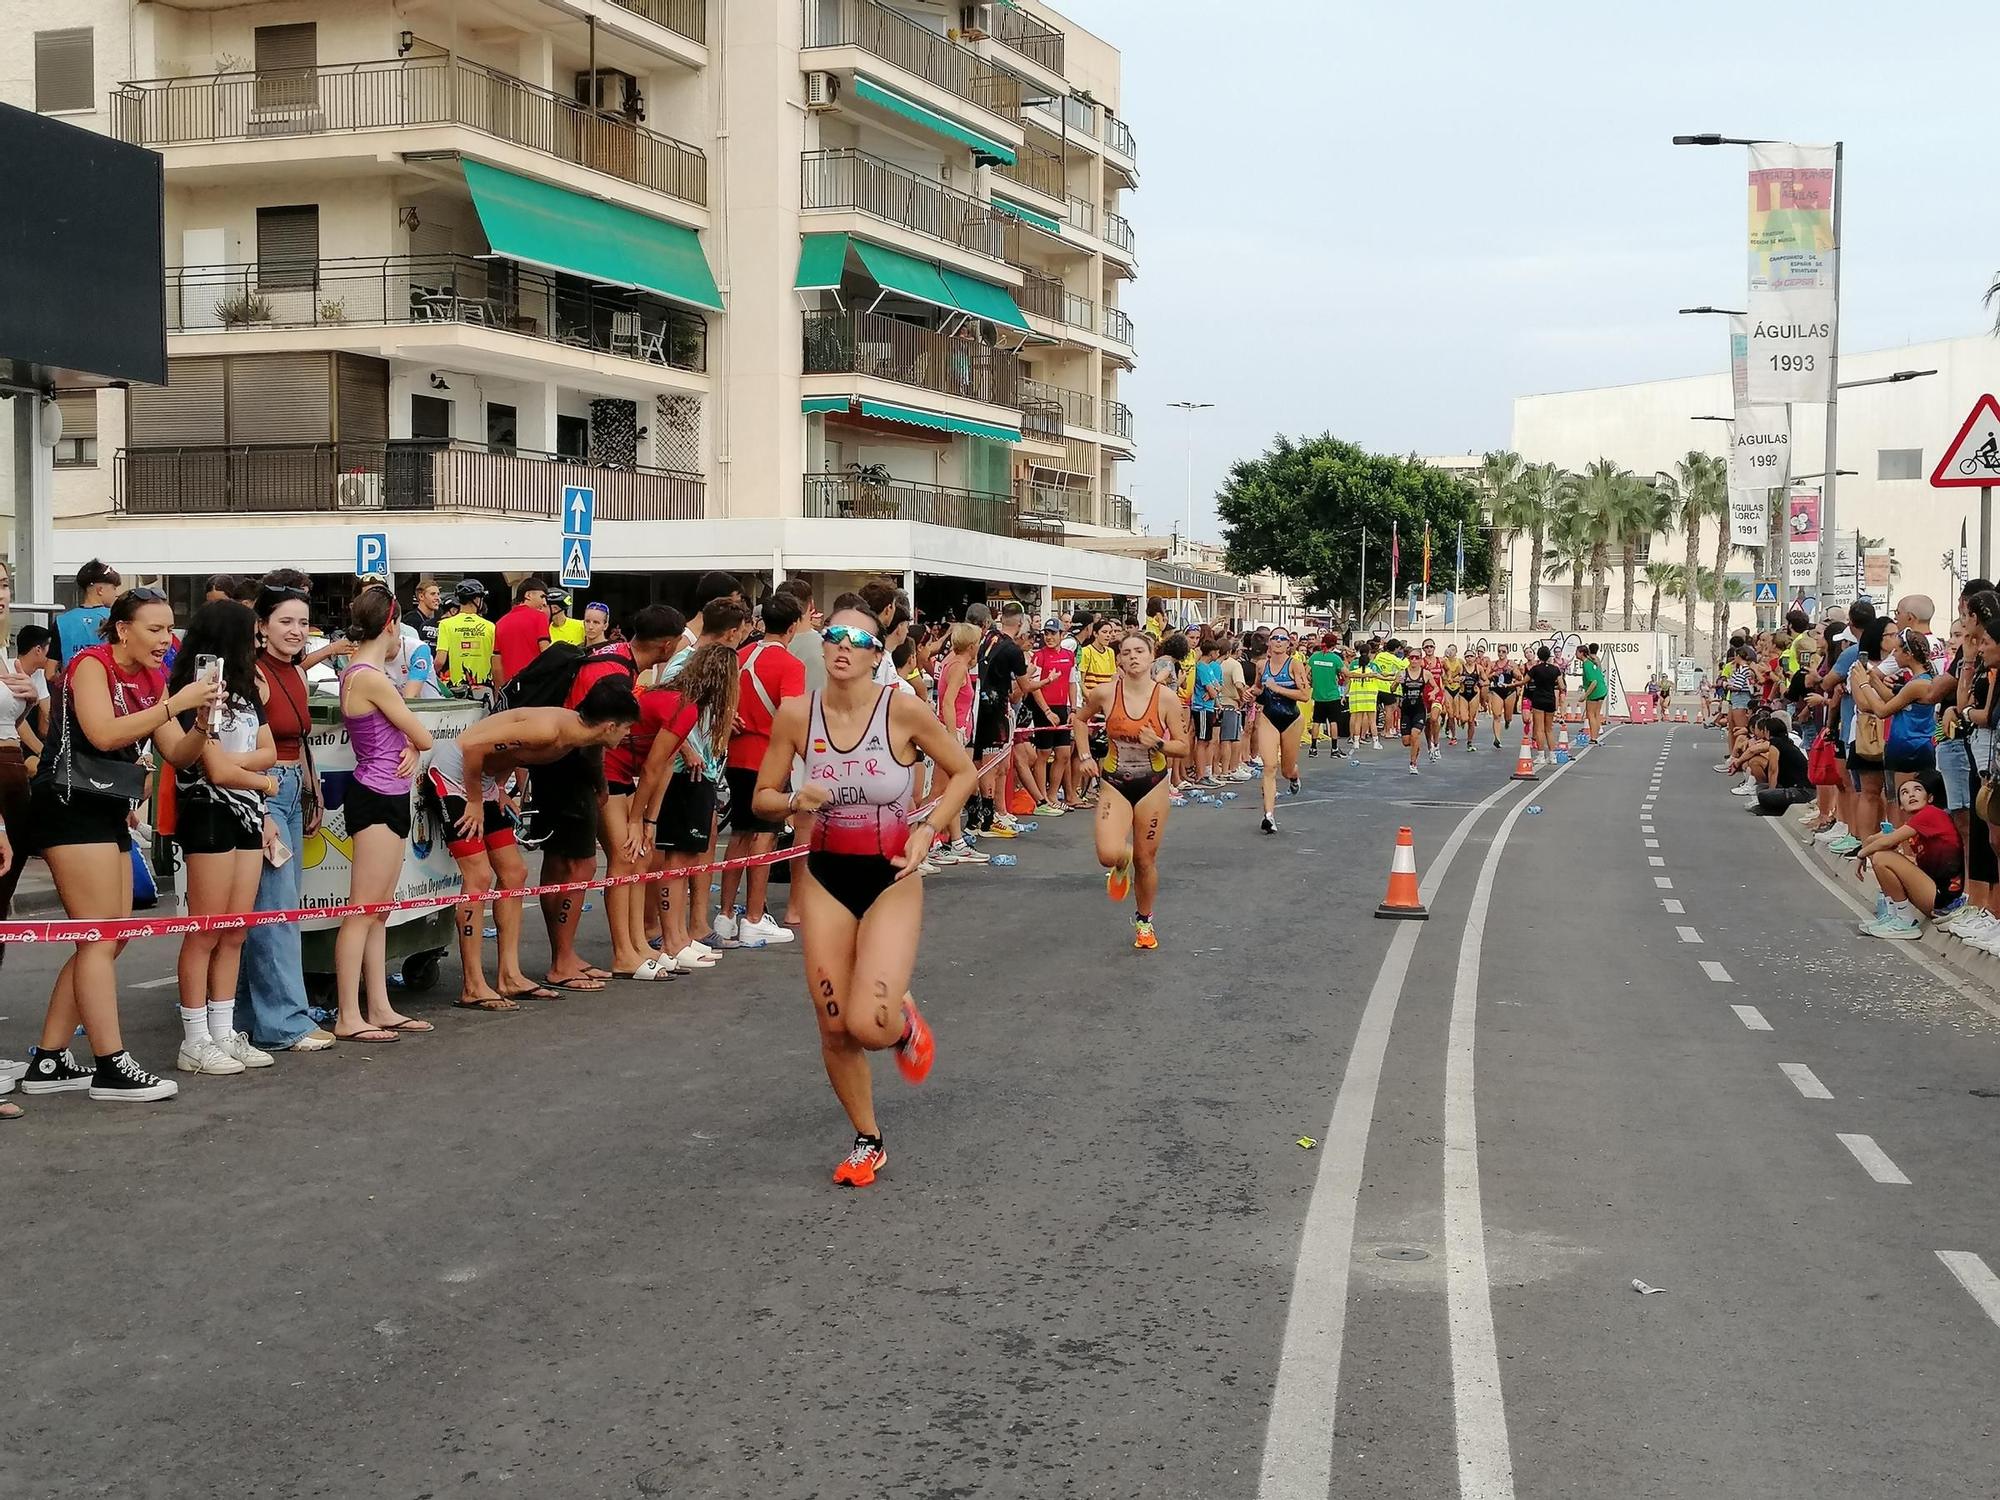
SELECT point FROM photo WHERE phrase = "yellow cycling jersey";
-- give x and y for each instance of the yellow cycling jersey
(465, 649)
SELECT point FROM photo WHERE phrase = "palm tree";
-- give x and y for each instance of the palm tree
(1569, 548)
(1641, 512)
(1499, 479)
(1664, 579)
(1696, 491)
(1600, 501)
(1536, 499)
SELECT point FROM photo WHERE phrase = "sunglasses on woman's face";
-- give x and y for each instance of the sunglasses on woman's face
(851, 635)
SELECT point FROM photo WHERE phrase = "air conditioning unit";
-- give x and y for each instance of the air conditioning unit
(975, 21)
(617, 92)
(822, 90)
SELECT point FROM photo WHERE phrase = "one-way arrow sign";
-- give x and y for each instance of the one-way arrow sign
(579, 509)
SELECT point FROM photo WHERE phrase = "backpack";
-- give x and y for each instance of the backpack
(547, 680)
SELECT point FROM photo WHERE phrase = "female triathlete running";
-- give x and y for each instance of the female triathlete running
(1145, 726)
(1434, 697)
(1451, 675)
(860, 896)
(1472, 693)
(1280, 692)
(1503, 693)
(1410, 700)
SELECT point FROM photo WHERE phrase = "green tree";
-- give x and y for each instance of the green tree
(1642, 511)
(1500, 482)
(1300, 510)
(1536, 500)
(1696, 491)
(1569, 547)
(1600, 501)
(1666, 580)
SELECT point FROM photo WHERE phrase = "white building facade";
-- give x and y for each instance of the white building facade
(794, 286)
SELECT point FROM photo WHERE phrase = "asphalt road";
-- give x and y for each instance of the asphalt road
(591, 1248)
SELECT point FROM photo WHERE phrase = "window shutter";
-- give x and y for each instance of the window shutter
(186, 412)
(288, 247)
(280, 398)
(285, 57)
(79, 414)
(361, 407)
(63, 69)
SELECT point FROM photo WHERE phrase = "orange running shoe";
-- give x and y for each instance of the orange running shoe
(1118, 882)
(915, 1051)
(860, 1165)
(1142, 934)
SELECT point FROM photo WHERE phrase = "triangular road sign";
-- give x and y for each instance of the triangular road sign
(576, 562)
(1973, 458)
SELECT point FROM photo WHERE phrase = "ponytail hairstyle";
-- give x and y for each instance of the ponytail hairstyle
(372, 613)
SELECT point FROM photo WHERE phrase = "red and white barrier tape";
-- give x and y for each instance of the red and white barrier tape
(115, 929)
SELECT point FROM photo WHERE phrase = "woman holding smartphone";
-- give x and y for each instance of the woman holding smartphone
(387, 739)
(219, 802)
(111, 702)
(271, 984)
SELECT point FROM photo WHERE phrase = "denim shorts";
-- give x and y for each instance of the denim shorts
(1739, 701)
(1231, 726)
(1954, 764)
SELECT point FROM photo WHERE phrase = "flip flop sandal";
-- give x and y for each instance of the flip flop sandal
(372, 1034)
(583, 985)
(413, 1027)
(534, 992)
(492, 1002)
(11, 1111)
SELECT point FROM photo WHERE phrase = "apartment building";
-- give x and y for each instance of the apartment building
(822, 286)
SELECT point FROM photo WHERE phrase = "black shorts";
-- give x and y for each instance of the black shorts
(1326, 713)
(742, 794)
(560, 815)
(86, 818)
(687, 815)
(1203, 723)
(205, 827)
(1542, 706)
(854, 880)
(1051, 739)
(992, 726)
(1470, 691)
(364, 807)
(1905, 765)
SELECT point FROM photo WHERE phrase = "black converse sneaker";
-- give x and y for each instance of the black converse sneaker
(54, 1073)
(119, 1077)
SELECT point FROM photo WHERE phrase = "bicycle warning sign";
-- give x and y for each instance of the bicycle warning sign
(1973, 458)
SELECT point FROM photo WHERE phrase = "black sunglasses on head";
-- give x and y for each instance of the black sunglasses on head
(147, 596)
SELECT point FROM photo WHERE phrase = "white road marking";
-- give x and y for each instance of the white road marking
(1874, 1160)
(1656, 862)
(1751, 1017)
(1912, 951)
(1715, 971)
(1299, 1433)
(1977, 1278)
(1673, 907)
(1804, 1081)
(1663, 882)
(1689, 935)
(155, 984)
(1652, 843)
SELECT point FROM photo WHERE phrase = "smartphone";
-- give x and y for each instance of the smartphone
(277, 855)
(208, 668)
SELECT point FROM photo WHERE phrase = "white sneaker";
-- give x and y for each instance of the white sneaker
(1747, 789)
(1828, 835)
(11, 1070)
(727, 928)
(942, 857)
(771, 930)
(238, 1045)
(206, 1056)
(928, 867)
(694, 956)
(1810, 815)
(1413, 769)
(966, 854)
(1243, 773)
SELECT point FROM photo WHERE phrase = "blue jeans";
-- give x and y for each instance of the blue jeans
(272, 986)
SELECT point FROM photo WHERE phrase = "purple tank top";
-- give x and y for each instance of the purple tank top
(377, 743)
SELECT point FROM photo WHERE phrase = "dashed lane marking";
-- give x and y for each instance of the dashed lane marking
(1977, 1278)
(1715, 971)
(1804, 1081)
(1751, 1017)
(1689, 935)
(1664, 882)
(1673, 907)
(1874, 1160)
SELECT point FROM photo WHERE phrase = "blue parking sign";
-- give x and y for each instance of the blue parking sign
(371, 555)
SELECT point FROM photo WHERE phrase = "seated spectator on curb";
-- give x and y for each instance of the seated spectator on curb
(1777, 768)
(1917, 865)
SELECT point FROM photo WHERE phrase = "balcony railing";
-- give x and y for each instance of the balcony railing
(896, 39)
(1041, 421)
(1081, 117)
(1118, 512)
(487, 293)
(849, 497)
(1118, 419)
(856, 343)
(1118, 325)
(1079, 312)
(1118, 136)
(1041, 295)
(1118, 230)
(1082, 215)
(688, 17)
(1038, 169)
(869, 185)
(1061, 503)
(1028, 35)
(403, 93)
(1078, 409)
(411, 475)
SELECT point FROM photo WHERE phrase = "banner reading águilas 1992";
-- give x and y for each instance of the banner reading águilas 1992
(1791, 273)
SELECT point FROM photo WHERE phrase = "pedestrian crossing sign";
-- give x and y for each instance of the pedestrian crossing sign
(576, 562)
(1767, 591)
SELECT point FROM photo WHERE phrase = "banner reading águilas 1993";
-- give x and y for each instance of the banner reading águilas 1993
(1791, 273)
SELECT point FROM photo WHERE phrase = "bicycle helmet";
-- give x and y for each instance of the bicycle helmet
(469, 590)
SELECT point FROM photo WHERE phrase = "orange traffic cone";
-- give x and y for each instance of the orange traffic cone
(1402, 901)
(1524, 763)
(1562, 745)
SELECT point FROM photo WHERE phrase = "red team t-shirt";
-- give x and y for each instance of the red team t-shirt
(1936, 849)
(1056, 666)
(517, 640)
(661, 710)
(783, 676)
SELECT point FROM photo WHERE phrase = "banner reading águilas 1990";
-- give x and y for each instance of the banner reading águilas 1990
(1791, 273)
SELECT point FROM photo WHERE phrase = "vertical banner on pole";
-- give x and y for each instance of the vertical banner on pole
(1395, 565)
(1802, 525)
(1792, 254)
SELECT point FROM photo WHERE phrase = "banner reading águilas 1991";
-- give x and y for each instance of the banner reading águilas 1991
(1791, 273)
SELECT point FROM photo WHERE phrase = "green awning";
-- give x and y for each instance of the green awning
(896, 272)
(983, 299)
(938, 421)
(825, 403)
(1028, 216)
(558, 230)
(931, 120)
(821, 258)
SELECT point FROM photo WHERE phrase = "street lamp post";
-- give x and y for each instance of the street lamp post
(1189, 408)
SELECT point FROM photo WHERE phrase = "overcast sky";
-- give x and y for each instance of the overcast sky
(1387, 218)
